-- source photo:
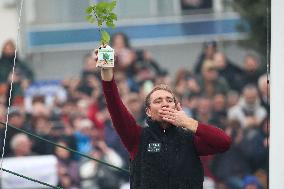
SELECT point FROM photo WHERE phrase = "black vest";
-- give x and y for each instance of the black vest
(166, 159)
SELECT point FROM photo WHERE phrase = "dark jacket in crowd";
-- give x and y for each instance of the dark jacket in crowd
(6, 67)
(233, 75)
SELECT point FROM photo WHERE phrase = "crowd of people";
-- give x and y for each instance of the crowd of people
(216, 91)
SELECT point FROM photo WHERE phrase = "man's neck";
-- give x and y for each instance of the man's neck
(165, 125)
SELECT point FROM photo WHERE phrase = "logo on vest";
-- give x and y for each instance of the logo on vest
(154, 147)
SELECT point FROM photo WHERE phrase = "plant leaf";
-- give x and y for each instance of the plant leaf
(111, 5)
(102, 5)
(90, 19)
(113, 16)
(89, 10)
(110, 24)
(105, 37)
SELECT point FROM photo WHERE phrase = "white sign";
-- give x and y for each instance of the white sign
(105, 57)
(42, 168)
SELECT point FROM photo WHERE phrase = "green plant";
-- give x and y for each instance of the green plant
(106, 56)
(102, 13)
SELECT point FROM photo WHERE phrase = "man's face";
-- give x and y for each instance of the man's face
(250, 96)
(158, 100)
(250, 64)
(9, 49)
(24, 147)
(210, 74)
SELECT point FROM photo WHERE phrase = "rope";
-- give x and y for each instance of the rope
(11, 85)
(8, 110)
(31, 179)
(33, 135)
(66, 148)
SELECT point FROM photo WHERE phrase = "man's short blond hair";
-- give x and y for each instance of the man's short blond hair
(163, 87)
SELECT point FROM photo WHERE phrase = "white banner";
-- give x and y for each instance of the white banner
(42, 168)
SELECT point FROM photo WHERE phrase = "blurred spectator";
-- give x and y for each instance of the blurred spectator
(248, 111)
(138, 65)
(3, 114)
(147, 68)
(209, 81)
(21, 145)
(204, 115)
(71, 86)
(122, 83)
(22, 78)
(192, 84)
(163, 78)
(97, 110)
(60, 131)
(19, 86)
(42, 127)
(252, 70)
(219, 111)
(228, 70)
(82, 106)
(196, 4)
(100, 176)
(254, 148)
(83, 128)
(135, 106)
(208, 51)
(119, 41)
(39, 107)
(68, 111)
(68, 169)
(189, 103)
(262, 177)
(180, 83)
(88, 84)
(89, 64)
(232, 166)
(7, 62)
(125, 55)
(203, 112)
(251, 182)
(264, 92)
(16, 119)
(190, 93)
(265, 127)
(232, 98)
(113, 141)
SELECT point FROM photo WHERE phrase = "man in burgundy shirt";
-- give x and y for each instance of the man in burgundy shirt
(165, 154)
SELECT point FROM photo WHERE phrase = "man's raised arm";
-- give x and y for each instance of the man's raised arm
(122, 120)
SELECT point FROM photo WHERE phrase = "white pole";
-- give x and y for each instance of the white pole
(277, 96)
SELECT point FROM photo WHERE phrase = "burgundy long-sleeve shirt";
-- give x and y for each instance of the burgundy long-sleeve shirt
(207, 139)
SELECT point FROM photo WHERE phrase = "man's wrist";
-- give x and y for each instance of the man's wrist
(107, 74)
(191, 125)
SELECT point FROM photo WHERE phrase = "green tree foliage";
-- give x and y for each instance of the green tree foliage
(101, 13)
(256, 17)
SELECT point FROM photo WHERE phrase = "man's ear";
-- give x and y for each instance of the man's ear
(178, 106)
(148, 112)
